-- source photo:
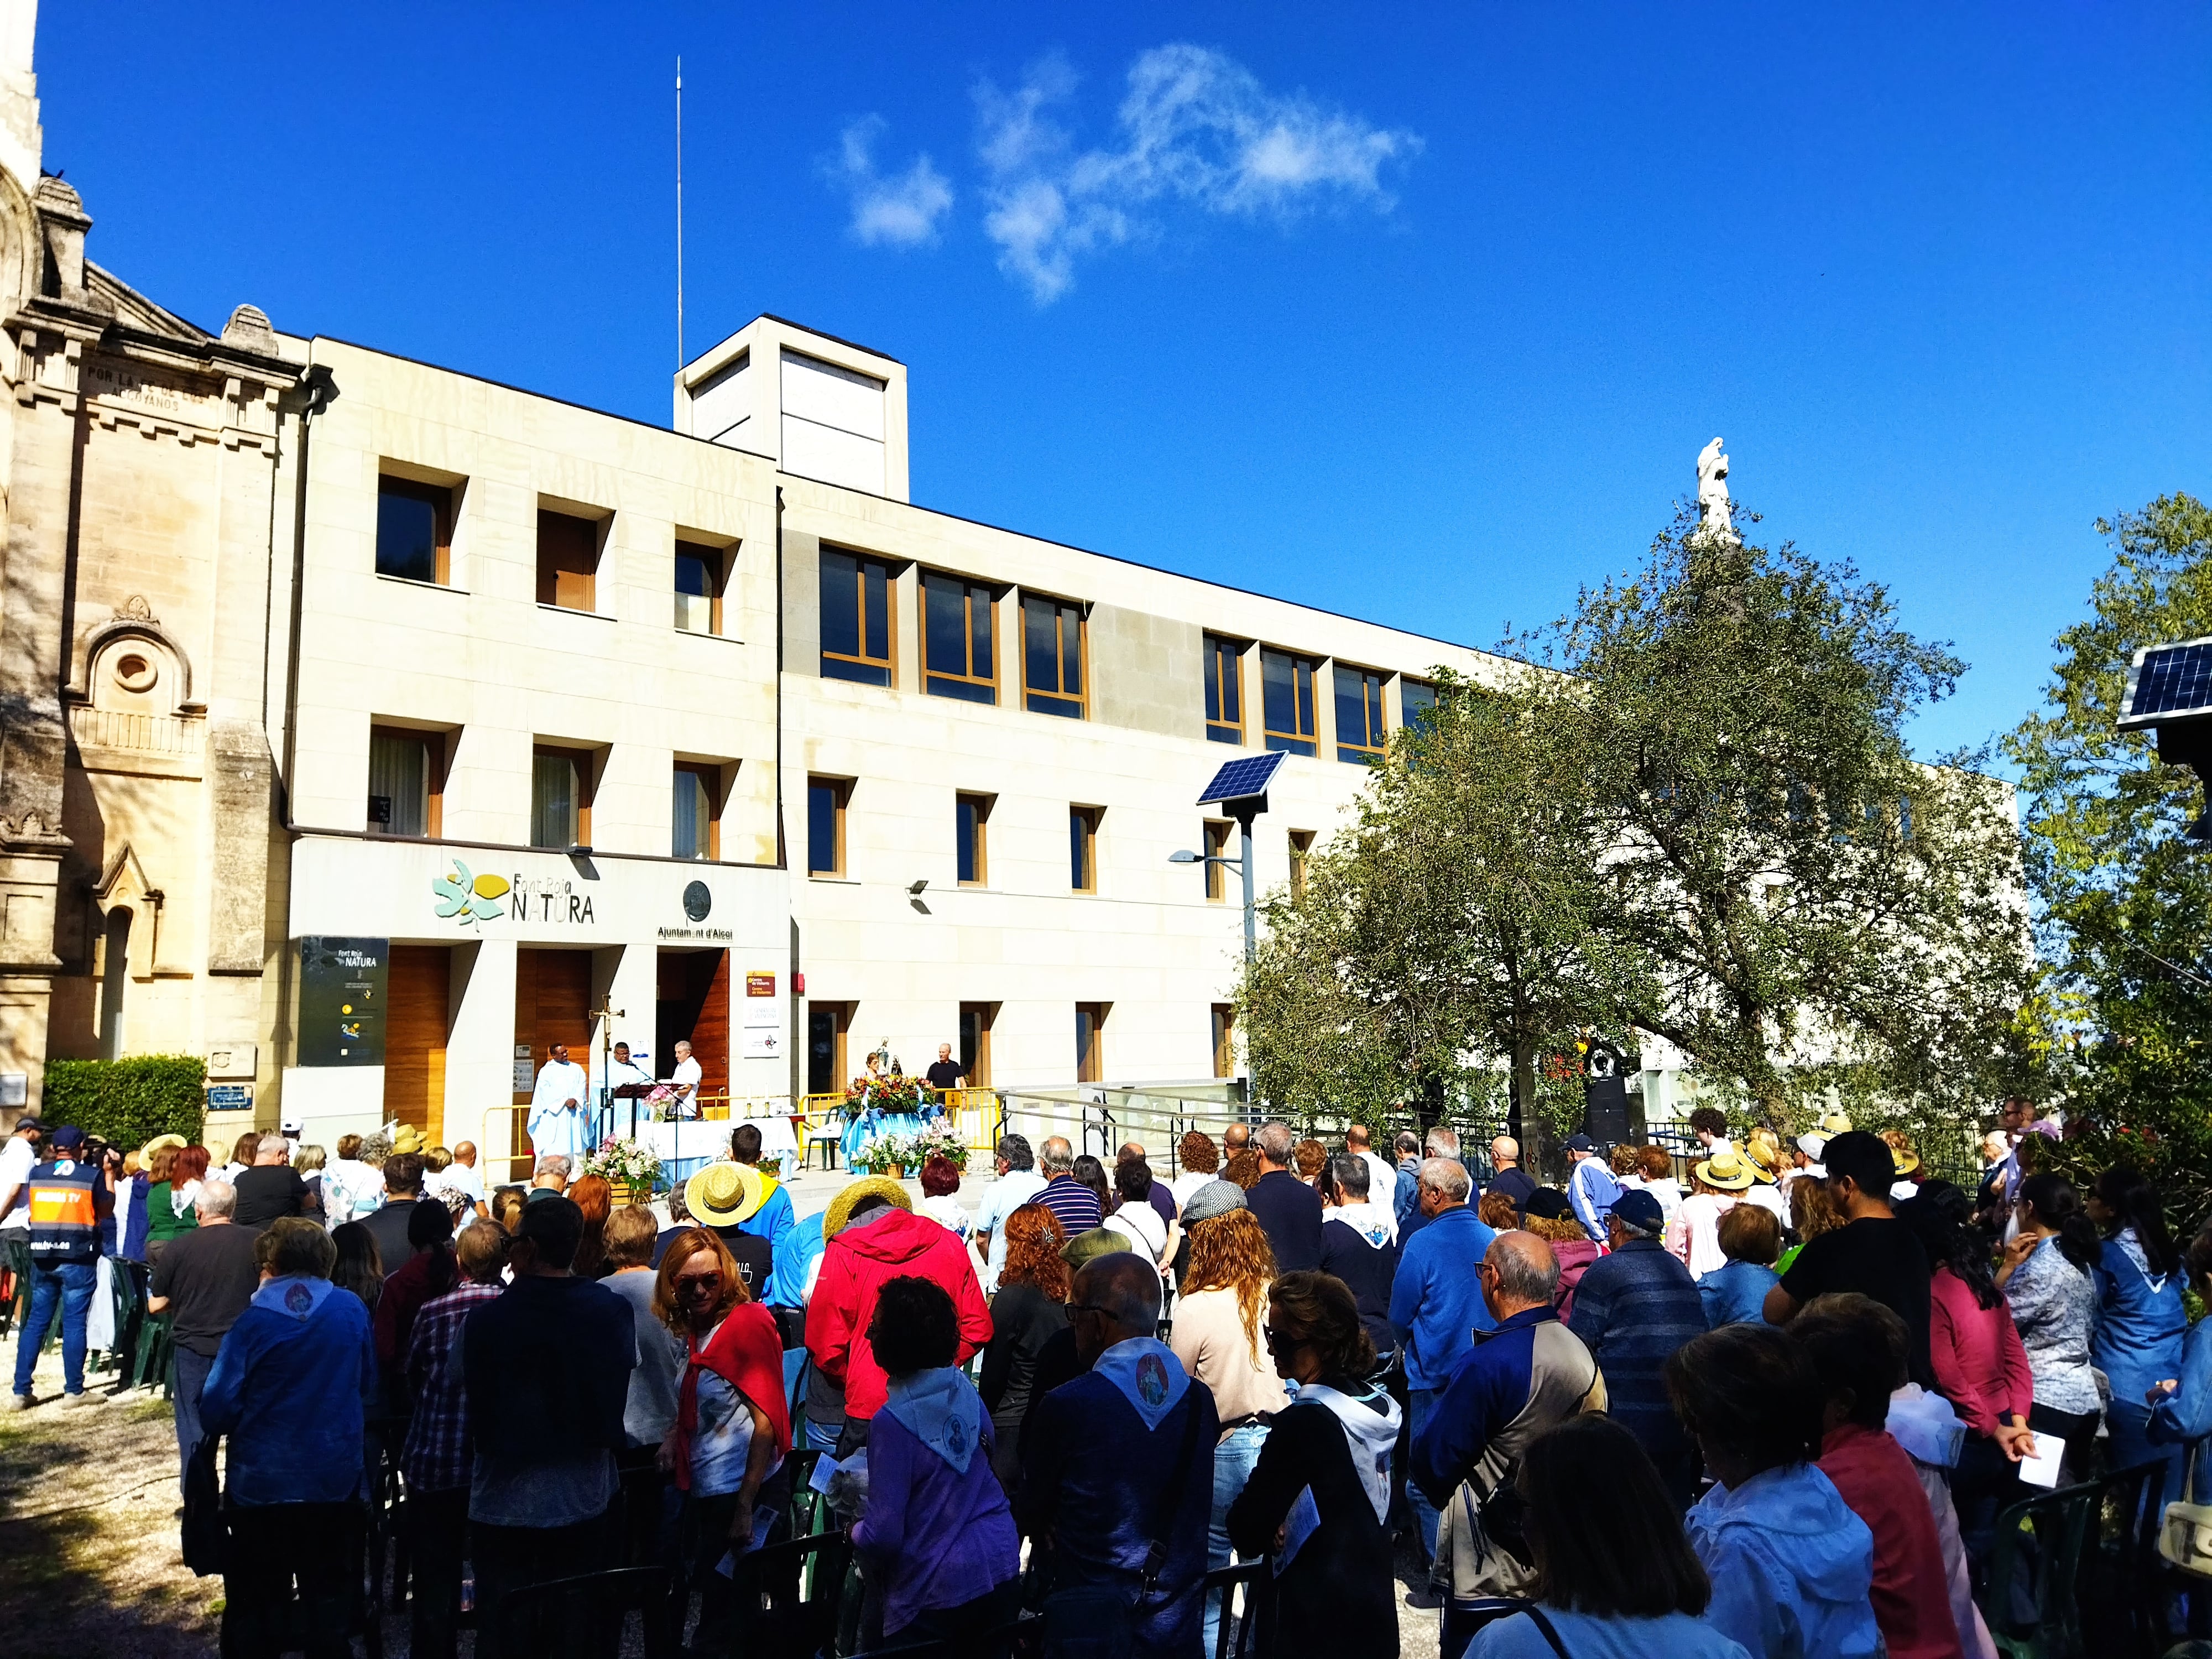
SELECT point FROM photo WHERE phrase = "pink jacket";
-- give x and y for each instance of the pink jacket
(1574, 1256)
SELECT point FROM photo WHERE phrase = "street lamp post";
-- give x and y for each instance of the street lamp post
(1240, 789)
(1244, 864)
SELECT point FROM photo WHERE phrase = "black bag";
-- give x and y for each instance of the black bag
(1098, 1621)
(206, 1531)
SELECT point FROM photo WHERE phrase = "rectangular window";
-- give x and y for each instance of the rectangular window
(1359, 735)
(971, 815)
(857, 595)
(975, 1042)
(694, 823)
(1415, 699)
(1217, 847)
(1224, 1040)
(406, 784)
(568, 560)
(955, 641)
(1225, 693)
(1083, 849)
(1302, 843)
(700, 577)
(1287, 684)
(1090, 1041)
(826, 800)
(826, 1025)
(1052, 657)
(559, 798)
(414, 530)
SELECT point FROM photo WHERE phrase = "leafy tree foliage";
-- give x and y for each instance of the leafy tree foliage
(2124, 1023)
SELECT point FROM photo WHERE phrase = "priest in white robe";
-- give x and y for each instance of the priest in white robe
(560, 1109)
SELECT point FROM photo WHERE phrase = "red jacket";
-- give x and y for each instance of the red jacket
(854, 1268)
(1912, 1597)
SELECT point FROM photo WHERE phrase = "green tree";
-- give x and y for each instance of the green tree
(1811, 909)
(2124, 895)
(1447, 926)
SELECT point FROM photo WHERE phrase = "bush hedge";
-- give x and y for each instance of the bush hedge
(127, 1103)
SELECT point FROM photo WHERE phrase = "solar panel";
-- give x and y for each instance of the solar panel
(2166, 682)
(1248, 774)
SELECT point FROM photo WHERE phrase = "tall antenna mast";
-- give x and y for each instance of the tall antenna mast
(679, 210)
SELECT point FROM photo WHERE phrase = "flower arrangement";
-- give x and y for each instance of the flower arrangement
(937, 1140)
(629, 1163)
(890, 1093)
(909, 1152)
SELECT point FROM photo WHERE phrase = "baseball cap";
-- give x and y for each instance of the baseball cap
(67, 1137)
(1638, 1209)
(1547, 1204)
(27, 1120)
(1581, 1144)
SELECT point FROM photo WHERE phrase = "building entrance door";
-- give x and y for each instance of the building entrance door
(552, 1004)
(415, 1031)
(693, 1007)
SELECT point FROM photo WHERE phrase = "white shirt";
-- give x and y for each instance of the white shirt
(686, 1078)
(1185, 1185)
(459, 1178)
(16, 1161)
(1770, 1199)
(1694, 1236)
(556, 1127)
(1382, 1178)
(1000, 1199)
(1140, 1224)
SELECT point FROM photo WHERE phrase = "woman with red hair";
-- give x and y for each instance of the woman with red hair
(1030, 1310)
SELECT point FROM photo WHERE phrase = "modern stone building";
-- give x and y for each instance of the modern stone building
(369, 727)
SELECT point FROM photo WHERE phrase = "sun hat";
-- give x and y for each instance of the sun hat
(1727, 1171)
(171, 1143)
(1764, 1152)
(840, 1213)
(1638, 1210)
(407, 1141)
(1091, 1244)
(724, 1193)
(1547, 1204)
(1906, 1160)
(1213, 1199)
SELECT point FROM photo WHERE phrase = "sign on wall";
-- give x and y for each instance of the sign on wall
(230, 1096)
(343, 985)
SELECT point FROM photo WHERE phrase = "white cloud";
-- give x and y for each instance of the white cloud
(900, 211)
(1195, 127)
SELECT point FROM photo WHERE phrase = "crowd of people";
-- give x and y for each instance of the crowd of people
(1777, 1413)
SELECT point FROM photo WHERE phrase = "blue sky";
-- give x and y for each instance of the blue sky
(1420, 313)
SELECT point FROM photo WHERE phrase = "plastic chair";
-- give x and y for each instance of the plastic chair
(582, 1615)
(828, 1139)
(2074, 1561)
(1237, 1636)
(788, 1596)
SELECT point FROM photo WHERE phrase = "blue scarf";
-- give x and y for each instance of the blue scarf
(1148, 1373)
(941, 1409)
(296, 1296)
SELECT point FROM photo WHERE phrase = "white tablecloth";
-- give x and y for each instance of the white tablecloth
(684, 1148)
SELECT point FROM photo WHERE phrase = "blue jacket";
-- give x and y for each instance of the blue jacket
(2140, 1322)
(2187, 1414)
(1792, 1566)
(1736, 1294)
(1591, 1194)
(291, 1386)
(794, 1254)
(1436, 1305)
(1515, 1380)
(1632, 1309)
(773, 1221)
(1407, 1197)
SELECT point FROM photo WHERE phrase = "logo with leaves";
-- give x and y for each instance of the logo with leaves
(471, 899)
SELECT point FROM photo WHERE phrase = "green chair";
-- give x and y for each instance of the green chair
(2070, 1563)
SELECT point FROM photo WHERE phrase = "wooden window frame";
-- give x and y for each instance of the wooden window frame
(1374, 686)
(719, 562)
(1302, 843)
(1057, 693)
(586, 761)
(1216, 832)
(978, 1075)
(712, 777)
(887, 665)
(972, 593)
(842, 796)
(1306, 742)
(1224, 684)
(1221, 1031)
(1091, 817)
(549, 576)
(434, 747)
(439, 499)
(1090, 1062)
(982, 805)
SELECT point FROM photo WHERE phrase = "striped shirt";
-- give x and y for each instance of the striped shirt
(1074, 1204)
(438, 1455)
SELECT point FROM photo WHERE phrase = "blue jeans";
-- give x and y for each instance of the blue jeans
(1420, 1405)
(68, 1286)
(191, 1376)
(1233, 1461)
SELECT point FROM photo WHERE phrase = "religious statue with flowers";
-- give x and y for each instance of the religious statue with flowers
(883, 1101)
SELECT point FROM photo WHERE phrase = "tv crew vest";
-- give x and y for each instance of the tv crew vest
(64, 1222)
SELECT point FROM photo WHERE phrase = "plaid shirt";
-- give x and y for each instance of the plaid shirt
(437, 1453)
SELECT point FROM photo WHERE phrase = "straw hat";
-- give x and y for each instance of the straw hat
(722, 1195)
(406, 1139)
(160, 1144)
(1727, 1171)
(1907, 1161)
(1765, 1153)
(851, 1198)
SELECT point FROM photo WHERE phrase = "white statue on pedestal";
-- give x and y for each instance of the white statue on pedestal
(1712, 492)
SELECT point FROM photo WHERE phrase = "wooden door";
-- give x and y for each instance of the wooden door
(552, 1004)
(421, 987)
(694, 1006)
